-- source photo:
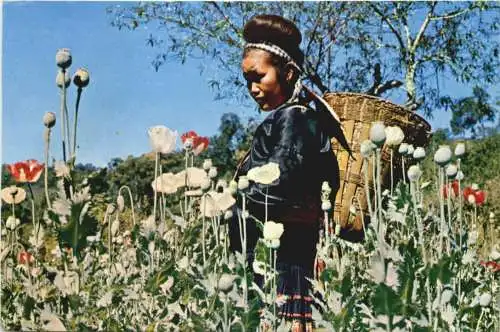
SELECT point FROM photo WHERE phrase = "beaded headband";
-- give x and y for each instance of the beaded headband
(274, 49)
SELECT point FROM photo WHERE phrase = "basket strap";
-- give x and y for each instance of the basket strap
(340, 136)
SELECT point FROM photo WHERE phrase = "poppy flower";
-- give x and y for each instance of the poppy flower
(13, 195)
(25, 257)
(474, 196)
(491, 266)
(454, 189)
(26, 171)
(191, 140)
(162, 139)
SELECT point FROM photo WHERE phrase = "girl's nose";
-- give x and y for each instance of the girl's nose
(254, 90)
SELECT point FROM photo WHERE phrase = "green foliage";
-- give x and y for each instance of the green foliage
(345, 43)
(471, 113)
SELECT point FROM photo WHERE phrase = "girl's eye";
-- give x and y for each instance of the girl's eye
(253, 76)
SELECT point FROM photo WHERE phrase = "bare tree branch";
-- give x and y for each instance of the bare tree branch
(389, 23)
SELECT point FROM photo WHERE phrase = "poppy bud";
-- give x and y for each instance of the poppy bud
(442, 155)
(62, 77)
(377, 133)
(49, 119)
(63, 58)
(419, 153)
(460, 149)
(81, 78)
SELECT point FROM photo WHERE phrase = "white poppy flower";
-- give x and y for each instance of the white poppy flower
(226, 282)
(419, 153)
(13, 195)
(377, 133)
(259, 267)
(403, 148)
(12, 222)
(367, 148)
(460, 149)
(394, 136)
(162, 139)
(414, 173)
(265, 174)
(215, 203)
(196, 177)
(206, 184)
(272, 230)
(166, 183)
(442, 155)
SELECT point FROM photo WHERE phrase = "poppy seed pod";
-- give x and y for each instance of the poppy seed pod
(326, 206)
(419, 153)
(366, 148)
(212, 173)
(394, 136)
(59, 79)
(442, 155)
(49, 119)
(414, 173)
(81, 78)
(451, 171)
(207, 164)
(485, 300)
(403, 148)
(226, 282)
(377, 133)
(460, 149)
(63, 58)
(410, 150)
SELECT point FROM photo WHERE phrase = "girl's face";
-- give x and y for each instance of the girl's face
(263, 81)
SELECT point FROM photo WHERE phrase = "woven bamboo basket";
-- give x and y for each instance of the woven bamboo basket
(357, 112)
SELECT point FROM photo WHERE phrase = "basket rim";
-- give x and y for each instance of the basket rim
(379, 99)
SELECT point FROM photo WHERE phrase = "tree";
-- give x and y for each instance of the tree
(226, 146)
(471, 113)
(373, 47)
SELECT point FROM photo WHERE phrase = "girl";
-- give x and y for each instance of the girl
(297, 137)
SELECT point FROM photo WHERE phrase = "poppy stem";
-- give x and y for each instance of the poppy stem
(156, 186)
(75, 120)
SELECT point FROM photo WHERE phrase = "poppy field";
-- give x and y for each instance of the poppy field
(167, 266)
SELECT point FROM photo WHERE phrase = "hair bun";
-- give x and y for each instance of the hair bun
(276, 30)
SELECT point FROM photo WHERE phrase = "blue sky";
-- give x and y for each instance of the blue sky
(125, 96)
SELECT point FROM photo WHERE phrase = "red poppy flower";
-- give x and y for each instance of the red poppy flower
(491, 265)
(454, 192)
(200, 144)
(25, 257)
(26, 171)
(479, 196)
(468, 191)
(189, 135)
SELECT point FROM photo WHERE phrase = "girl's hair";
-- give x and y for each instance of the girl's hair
(275, 30)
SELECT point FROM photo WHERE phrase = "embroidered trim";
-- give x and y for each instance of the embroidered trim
(296, 297)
